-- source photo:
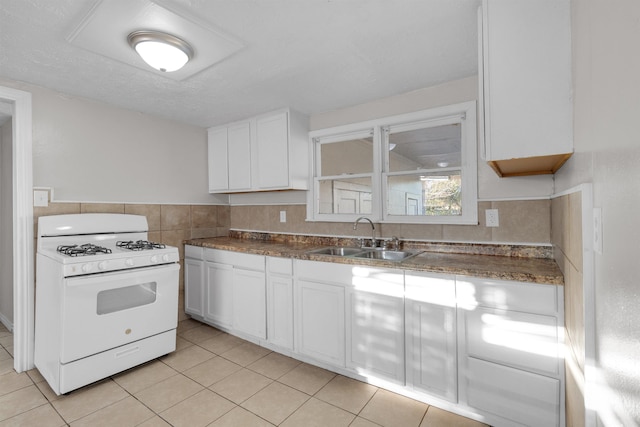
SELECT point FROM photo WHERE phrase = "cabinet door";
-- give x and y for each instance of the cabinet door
(239, 151)
(273, 151)
(320, 321)
(431, 334)
(219, 295)
(375, 334)
(194, 283)
(249, 302)
(217, 160)
(280, 311)
(431, 358)
(527, 78)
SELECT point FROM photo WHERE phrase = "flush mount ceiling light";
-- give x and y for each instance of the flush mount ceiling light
(161, 51)
(113, 20)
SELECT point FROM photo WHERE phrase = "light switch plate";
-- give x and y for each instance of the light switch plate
(597, 230)
(283, 216)
(492, 218)
(40, 198)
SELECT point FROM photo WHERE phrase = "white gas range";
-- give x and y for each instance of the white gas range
(106, 297)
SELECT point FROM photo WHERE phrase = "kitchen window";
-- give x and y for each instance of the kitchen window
(413, 168)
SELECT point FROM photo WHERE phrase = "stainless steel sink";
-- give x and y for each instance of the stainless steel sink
(387, 255)
(336, 251)
(367, 253)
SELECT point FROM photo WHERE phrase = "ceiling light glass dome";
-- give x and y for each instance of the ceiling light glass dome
(161, 51)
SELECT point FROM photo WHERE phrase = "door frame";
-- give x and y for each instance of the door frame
(23, 250)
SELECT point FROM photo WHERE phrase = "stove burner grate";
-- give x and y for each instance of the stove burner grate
(82, 250)
(139, 245)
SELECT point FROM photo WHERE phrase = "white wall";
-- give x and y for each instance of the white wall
(606, 61)
(6, 224)
(93, 152)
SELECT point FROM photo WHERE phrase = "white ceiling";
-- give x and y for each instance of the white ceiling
(310, 55)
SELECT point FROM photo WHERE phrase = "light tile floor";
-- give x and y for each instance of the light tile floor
(213, 379)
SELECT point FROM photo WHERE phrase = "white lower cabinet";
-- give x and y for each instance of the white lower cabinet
(235, 292)
(319, 291)
(430, 324)
(320, 321)
(510, 350)
(194, 281)
(219, 294)
(491, 348)
(280, 302)
(249, 302)
(375, 324)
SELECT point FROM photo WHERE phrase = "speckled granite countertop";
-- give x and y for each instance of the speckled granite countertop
(486, 261)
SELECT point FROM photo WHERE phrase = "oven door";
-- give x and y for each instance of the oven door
(107, 310)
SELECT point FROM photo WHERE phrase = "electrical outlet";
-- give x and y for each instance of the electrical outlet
(283, 216)
(597, 230)
(492, 218)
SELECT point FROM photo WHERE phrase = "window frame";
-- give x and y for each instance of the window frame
(463, 113)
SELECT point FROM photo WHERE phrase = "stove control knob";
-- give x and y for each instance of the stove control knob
(86, 268)
(102, 265)
(154, 259)
(128, 262)
(165, 257)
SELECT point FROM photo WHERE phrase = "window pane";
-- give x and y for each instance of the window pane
(426, 148)
(345, 196)
(431, 194)
(354, 156)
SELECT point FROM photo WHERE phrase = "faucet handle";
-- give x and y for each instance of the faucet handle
(396, 243)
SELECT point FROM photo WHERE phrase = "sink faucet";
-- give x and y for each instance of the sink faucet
(373, 229)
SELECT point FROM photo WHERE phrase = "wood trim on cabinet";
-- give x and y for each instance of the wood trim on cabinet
(541, 165)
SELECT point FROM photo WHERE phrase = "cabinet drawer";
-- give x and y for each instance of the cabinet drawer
(522, 340)
(248, 261)
(195, 252)
(237, 259)
(215, 255)
(430, 288)
(278, 265)
(529, 297)
(523, 397)
(377, 281)
(324, 271)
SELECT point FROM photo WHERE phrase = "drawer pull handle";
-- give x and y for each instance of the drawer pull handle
(127, 352)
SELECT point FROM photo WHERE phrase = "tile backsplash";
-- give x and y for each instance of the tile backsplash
(521, 221)
(567, 242)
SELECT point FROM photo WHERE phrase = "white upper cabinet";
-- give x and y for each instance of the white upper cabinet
(217, 160)
(267, 152)
(525, 85)
(239, 156)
